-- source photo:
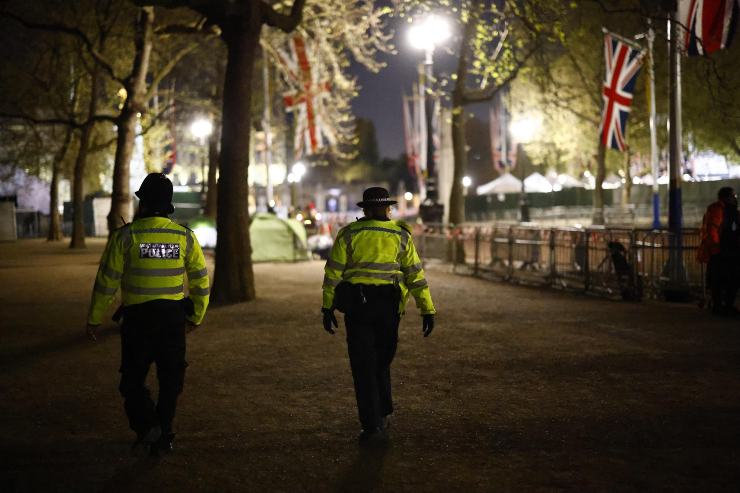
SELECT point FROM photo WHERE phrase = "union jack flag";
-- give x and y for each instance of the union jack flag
(306, 100)
(623, 63)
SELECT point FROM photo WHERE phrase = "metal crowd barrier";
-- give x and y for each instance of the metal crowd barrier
(572, 258)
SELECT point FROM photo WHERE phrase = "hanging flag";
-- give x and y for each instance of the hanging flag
(503, 147)
(306, 100)
(410, 139)
(623, 63)
(709, 25)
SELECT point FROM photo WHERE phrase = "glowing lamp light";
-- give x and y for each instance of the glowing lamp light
(429, 33)
(318, 216)
(298, 170)
(299, 217)
(525, 128)
(201, 128)
(408, 196)
(467, 181)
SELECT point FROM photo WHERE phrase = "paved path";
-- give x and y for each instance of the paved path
(517, 390)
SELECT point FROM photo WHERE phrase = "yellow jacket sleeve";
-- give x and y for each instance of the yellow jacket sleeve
(334, 268)
(108, 279)
(413, 277)
(198, 284)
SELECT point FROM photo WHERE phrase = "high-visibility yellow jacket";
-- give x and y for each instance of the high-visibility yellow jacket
(376, 252)
(148, 259)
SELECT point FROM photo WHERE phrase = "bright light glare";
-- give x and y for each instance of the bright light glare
(271, 203)
(291, 178)
(299, 169)
(206, 235)
(525, 128)
(299, 217)
(429, 32)
(201, 128)
(467, 181)
(306, 221)
(318, 216)
(408, 196)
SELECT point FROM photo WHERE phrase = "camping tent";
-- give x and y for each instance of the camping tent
(275, 239)
(537, 183)
(611, 182)
(506, 183)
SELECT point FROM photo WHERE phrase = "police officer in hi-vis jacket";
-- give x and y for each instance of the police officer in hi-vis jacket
(149, 260)
(372, 269)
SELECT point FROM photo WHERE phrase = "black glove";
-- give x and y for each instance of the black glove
(427, 324)
(329, 319)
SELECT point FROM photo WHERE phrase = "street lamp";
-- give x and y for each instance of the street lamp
(201, 128)
(466, 182)
(524, 129)
(427, 34)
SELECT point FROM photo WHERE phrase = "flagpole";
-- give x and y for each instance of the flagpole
(653, 129)
(677, 287)
(267, 129)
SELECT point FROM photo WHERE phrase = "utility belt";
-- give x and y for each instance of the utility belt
(186, 304)
(350, 298)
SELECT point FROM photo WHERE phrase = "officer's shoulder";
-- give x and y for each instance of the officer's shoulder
(405, 226)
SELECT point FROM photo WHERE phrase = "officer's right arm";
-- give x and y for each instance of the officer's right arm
(415, 280)
(108, 279)
(334, 268)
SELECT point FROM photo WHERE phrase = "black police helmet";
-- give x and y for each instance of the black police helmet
(375, 197)
(156, 193)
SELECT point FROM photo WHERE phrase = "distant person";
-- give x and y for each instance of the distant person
(720, 250)
(149, 260)
(372, 268)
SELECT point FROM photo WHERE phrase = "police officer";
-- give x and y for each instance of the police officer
(149, 259)
(372, 269)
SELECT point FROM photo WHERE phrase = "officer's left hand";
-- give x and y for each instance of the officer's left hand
(427, 324)
(329, 320)
(91, 332)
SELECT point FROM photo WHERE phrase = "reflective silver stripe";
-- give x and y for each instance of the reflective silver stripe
(197, 274)
(104, 290)
(140, 290)
(200, 291)
(333, 264)
(160, 230)
(375, 266)
(175, 271)
(418, 284)
(411, 269)
(371, 275)
(328, 282)
(404, 240)
(384, 230)
(112, 273)
(189, 243)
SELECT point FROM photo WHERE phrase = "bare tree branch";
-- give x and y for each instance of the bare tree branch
(71, 31)
(285, 23)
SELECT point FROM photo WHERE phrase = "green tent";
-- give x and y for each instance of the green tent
(277, 240)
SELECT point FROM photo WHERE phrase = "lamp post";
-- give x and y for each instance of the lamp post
(523, 129)
(466, 182)
(201, 128)
(426, 35)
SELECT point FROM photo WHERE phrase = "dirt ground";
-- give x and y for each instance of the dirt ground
(518, 389)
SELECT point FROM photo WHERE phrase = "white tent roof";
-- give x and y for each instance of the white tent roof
(568, 181)
(611, 182)
(506, 183)
(537, 183)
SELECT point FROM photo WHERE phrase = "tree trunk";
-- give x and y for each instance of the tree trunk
(55, 223)
(459, 152)
(233, 278)
(212, 191)
(120, 204)
(598, 212)
(78, 184)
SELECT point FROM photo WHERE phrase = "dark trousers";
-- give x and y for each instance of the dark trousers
(152, 332)
(722, 281)
(372, 338)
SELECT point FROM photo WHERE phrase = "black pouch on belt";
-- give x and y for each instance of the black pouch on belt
(348, 297)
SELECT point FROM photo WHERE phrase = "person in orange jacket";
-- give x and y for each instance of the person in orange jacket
(720, 250)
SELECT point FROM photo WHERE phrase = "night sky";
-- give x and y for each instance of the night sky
(380, 94)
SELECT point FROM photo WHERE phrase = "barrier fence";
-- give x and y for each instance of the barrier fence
(612, 262)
